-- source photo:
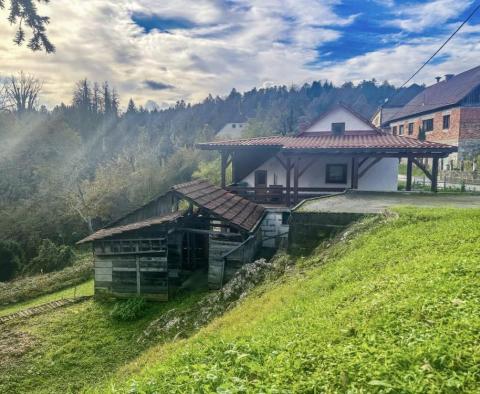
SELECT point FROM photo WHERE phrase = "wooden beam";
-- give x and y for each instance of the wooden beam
(362, 162)
(423, 168)
(307, 166)
(284, 165)
(434, 178)
(354, 183)
(370, 165)
(409, 174)
(223, 169)
(295, 180)
(287, 169)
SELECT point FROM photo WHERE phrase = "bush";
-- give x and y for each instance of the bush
(129, 310)
(11, 260)
(50, 258)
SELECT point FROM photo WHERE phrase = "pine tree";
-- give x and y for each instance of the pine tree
(132, 108)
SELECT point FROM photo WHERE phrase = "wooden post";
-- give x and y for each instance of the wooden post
(295, 179)
(434, 179)
(354, 184)
(223, 169)
(409, 174)
(287, 197)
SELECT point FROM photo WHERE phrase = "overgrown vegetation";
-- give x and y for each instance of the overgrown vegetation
(394, 309)
(129, 310)
(34, 286)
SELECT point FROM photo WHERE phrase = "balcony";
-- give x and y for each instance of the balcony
(280, 195)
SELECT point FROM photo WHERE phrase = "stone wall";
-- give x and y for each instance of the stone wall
(308, 229)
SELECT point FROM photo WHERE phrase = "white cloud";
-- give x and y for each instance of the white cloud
(418, 17)
(242, 44)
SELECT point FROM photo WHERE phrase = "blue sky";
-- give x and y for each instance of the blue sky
(178, 49)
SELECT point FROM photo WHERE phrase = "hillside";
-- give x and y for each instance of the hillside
(394, 308)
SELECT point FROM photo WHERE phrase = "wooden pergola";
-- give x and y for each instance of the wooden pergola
(299, 160)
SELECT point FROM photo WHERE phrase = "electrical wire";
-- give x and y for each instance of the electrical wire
(434, 54)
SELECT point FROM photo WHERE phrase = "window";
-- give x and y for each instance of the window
(427, 125)
(394, 130)
(260, 178)
(336, 173)
(234, 125)
(285, 217)
(338, 128)
(410, 128)
(446, 122)
(400, 129)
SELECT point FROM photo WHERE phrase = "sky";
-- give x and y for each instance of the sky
(170, 50)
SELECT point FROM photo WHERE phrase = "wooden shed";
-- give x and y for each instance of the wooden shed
(153, 249)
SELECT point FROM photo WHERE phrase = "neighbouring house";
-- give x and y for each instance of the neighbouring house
(340, 150)
(231, 130)
(154, 249)
(387, 111)
(446, 112)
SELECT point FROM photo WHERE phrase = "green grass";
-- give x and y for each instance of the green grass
(82, 289)
(396, 309)
(71, 348)
(30, 287)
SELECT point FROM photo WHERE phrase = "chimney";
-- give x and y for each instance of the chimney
(438, 79)
(448, 77)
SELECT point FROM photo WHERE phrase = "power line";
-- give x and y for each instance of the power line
(443, 45)
(434, 54)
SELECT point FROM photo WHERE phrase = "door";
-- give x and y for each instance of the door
(260, 185)
(260, 179)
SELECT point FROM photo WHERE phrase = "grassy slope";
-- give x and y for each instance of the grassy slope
(31, 287)
(396, 309)
(74, 347)
(82, 289)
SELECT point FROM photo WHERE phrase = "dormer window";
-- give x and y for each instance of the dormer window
(338, 128)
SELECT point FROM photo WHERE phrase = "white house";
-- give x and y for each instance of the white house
(231, 130)
(340, 150)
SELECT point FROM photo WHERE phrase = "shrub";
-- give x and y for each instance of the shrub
(11, 260)
(129, 310)
(50, 258)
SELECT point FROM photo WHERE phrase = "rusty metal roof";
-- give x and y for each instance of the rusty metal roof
(323, 141)
(442, 94)
(221, 203)
(108, 232)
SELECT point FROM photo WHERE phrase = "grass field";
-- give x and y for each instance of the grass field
(82, 289)
(71, 348)
(395, 309)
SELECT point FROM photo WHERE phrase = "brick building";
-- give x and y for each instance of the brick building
(446, 112)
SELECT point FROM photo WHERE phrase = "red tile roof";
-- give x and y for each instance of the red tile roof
(377, 141)
(218, 202)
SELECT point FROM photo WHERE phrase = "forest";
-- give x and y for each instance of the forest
(68, 170)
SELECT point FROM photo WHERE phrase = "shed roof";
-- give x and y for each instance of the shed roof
(218, 202)
(221, 203)
(110, 231)
(442, 94)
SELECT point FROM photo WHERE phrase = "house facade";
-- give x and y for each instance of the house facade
(231, 130)
(340, 150)
(446, 112)
(382, 117)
